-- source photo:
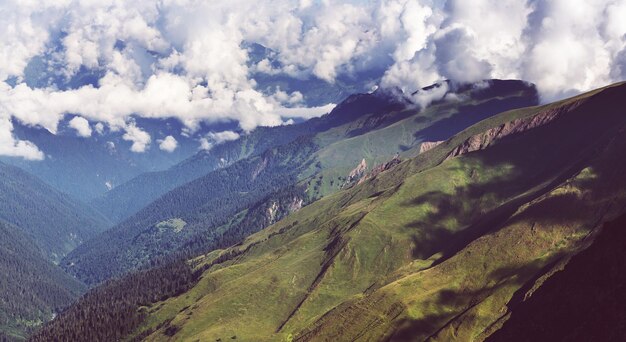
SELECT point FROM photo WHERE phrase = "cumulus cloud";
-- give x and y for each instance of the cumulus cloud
(424, 98)
(189, 59)
(216, 138)
(10, 146)
(81, 125)
(169, 144)
(140, 139)
(99, 127)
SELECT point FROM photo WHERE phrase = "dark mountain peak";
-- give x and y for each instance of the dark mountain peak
(484, 88)
(358, 105)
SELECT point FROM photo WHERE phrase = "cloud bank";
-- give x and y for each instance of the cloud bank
(189, 59)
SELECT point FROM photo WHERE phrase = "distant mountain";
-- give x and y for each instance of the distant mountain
(32, 289)
(316, 92)
(128, 198)
(88, 167)
(133, 195)
(450, 243)
(56, 222)
(314, 161)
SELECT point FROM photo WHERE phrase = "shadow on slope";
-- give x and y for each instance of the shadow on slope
(584, 302)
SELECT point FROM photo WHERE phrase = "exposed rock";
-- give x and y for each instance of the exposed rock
(282, 207)
(429, 145)
(223, 162)
(357, 173)
(271, 212)
(262, 165)
(483, 140)
(380, 168)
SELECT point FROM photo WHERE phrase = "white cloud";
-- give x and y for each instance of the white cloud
(99, 127)
(169, 144)
(216, 138)
(81, 125)
(185, 58)
(139, 138)
(305, 112)
(424, 98)
(10, 146)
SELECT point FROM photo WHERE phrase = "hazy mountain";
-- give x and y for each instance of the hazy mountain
(87, 167)
(56, 222)
(32, 289)
(128, 198)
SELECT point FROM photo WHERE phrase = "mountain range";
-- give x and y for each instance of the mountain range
(474, 215)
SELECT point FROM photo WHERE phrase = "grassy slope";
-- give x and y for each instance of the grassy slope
(583, 302)
(403, 131)
(427, 249)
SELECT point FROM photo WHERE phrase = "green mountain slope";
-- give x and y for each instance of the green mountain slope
(32, 289)
(209, 211)
(56, 222)
(436, 247)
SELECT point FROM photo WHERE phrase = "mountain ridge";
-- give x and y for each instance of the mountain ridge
(319, 162)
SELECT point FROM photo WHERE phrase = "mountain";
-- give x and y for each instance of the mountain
(56, 222)
(208, 212)
(443, 245)
(131, 196)
(88, 167)
(316, 92)
(32, 289)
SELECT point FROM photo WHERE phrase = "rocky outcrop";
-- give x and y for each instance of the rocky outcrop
(282, 207)
(260, 167)
(357, 172)
(481, 141)
(429, 145)
(380, 168)
(360, 174)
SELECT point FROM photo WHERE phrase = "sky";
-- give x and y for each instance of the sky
(188, 59)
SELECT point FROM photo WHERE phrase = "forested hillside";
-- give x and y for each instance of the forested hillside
(32, 289)
(169, 223)
(128, 198)
(56, 222)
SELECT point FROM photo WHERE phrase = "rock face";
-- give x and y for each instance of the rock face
(360, 174)
(380, 168)
(429, 145)
(481, 141)
(260, 167)
(357, 173)
(281, 207)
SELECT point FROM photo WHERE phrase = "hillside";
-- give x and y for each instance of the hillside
(208, 211)
(131, 196)
(56, 222)
(583, 302)
(437, 247)
(32, 289)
